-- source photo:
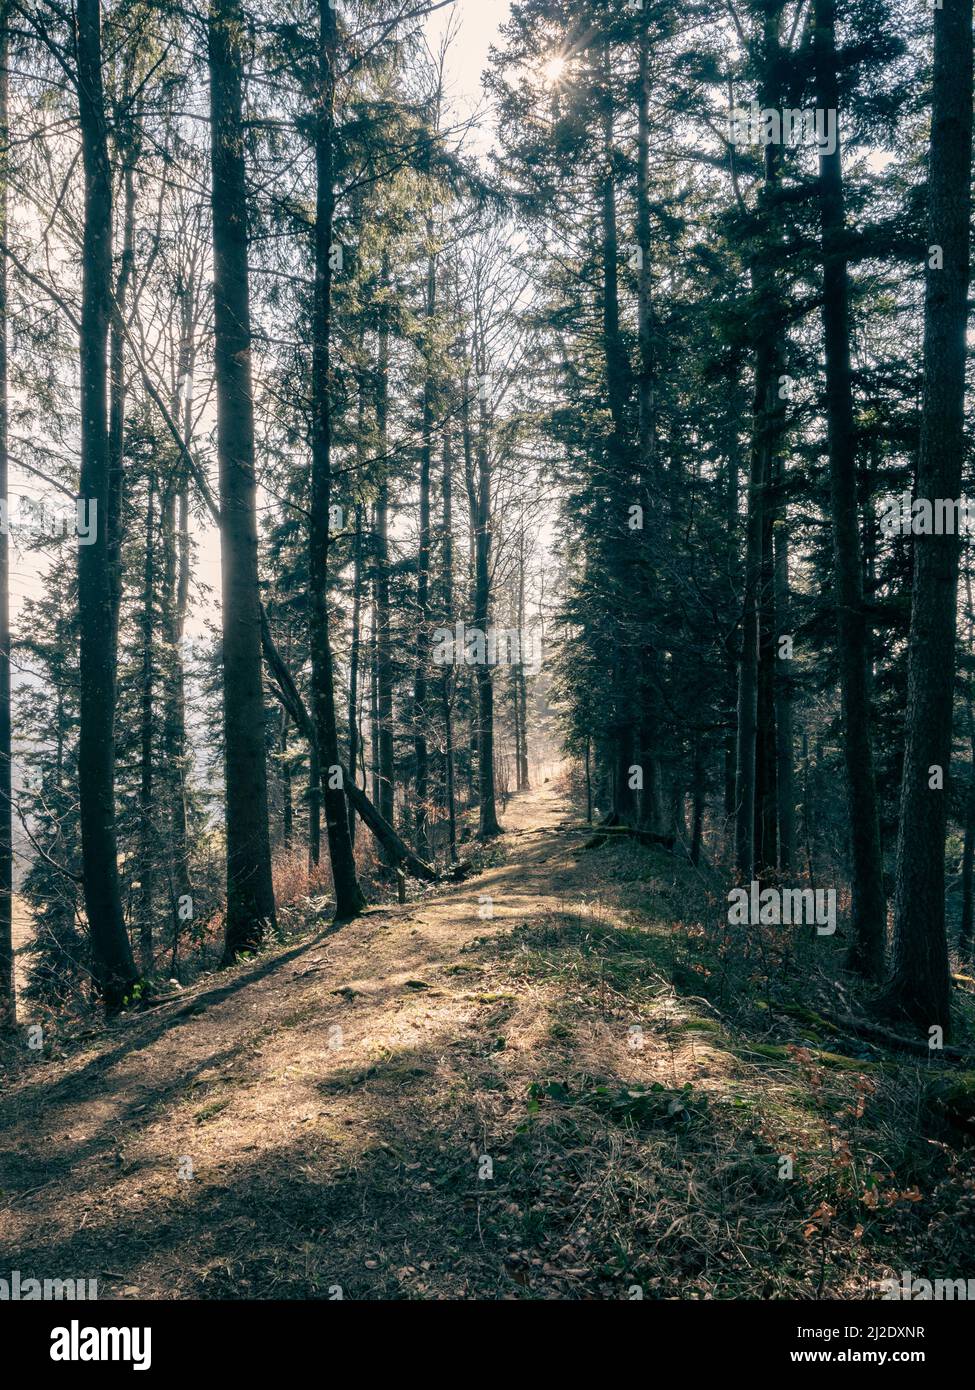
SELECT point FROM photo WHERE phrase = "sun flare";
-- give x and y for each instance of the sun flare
(553, 70)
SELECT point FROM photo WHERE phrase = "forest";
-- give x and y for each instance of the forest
(487, 651)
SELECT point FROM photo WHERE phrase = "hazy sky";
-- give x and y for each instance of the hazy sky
(477, 23)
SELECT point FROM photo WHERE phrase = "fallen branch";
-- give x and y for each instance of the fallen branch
(643, 837)
(874, 1032)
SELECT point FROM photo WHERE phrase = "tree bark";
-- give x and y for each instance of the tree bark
(146, 835)
(420, 753)
(8, 1011)
(175, 602)
(919, 983)
(488, 821)
(116, 387)
(348, 896)
(449, 672)
(784, 737)
(617, 367)
(755, 777)
(869, 905)
(748, 676)
(115, 971)
(250, 894)
(354, 654)
(287, 803)
(384, 658)
(521, 680)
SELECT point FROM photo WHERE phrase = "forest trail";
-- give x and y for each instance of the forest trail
(429, 1102)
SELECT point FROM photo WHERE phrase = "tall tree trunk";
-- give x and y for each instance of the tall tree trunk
(354, 654)
(755, 778)
(650, 814)
(146, 835)
(784, 737)
(521, 680)
(420, 753)
(374, 687)
(314, 808)
(250, 894)
(730, 741)
(968, 852)
(699, 789)
(515, 699)
(116, 389)
(919, 984)
(174, 517)
(869, 906)
(488, 821)
(348, 896)
(115, 971)
(287, 802)
(588, 765)
(617, 368)
(646, 327)
(470, 484)
(746, 801)
(766, 765)
(8, 1012)
(449, 672)
(384, 658)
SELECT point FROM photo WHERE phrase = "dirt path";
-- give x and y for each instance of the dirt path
(530, 1085)
(303, 1126)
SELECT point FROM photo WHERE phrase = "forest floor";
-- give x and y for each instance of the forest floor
(539, 1083)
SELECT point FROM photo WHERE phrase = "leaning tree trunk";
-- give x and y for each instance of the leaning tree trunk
(250, 894)
(919, 984)
(869, 906)
(395, 851)
(348, 896)
(115, 971)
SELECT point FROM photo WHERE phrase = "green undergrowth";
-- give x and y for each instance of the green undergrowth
(782, 1155)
